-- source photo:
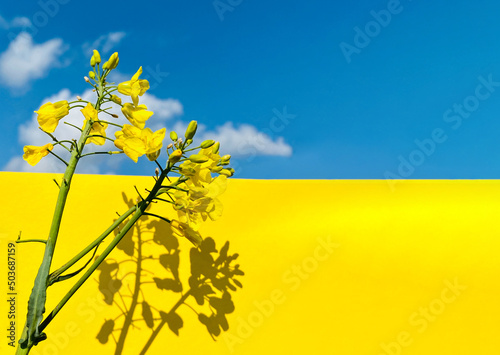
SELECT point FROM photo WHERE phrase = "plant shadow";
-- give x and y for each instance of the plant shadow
(153, 250)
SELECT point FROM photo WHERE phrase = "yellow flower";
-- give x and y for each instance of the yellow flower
(129, 140)
(136, 142)
(200, 202)
(154, 143)
(50, 113)
(98, 127)
(137, 115)
(89, 112)
(200, 172)
(34, 154)
(180, 229)
(134, 87)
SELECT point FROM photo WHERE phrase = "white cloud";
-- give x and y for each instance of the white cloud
(44, 166)
(242, 141)
(25, 61)
(164, 109)
(16, 22)
(20, 22)
(104, 43)
(246, 140)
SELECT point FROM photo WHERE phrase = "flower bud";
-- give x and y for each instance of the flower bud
(225, 157)
(114, 115)
(226, 172)
(207, 144)
(215, 148)
(96, 57)
(216, 169)
(173, 136)
(191, 130)
(187, 170)
(188, 141)
(91, 75)
(92, 61)
(157, 172)
(198, 158)
(79, 98)
(153, 156)
(116, 99)
(170, 146)
(175, 156)
(86, 79)
(112, 62)
(180, 204)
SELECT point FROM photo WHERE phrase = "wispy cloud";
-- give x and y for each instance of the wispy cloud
(25, 61)
(247, 140)
(104, 43)
(16, 22)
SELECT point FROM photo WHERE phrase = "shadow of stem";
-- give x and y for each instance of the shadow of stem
(211, 281)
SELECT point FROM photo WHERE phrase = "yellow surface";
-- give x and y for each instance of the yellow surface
(332, 267)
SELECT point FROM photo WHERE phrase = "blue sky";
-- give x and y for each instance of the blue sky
(293, 89)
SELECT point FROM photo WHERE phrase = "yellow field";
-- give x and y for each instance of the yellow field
(331, 267)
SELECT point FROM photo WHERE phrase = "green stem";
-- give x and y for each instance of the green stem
(109, 153)
(141, 208)
(58, 157)
(31, 240)
(72, 125)
(95, 243)
(111, 123)
(32, 331)
(31, 334)
(99, 136)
